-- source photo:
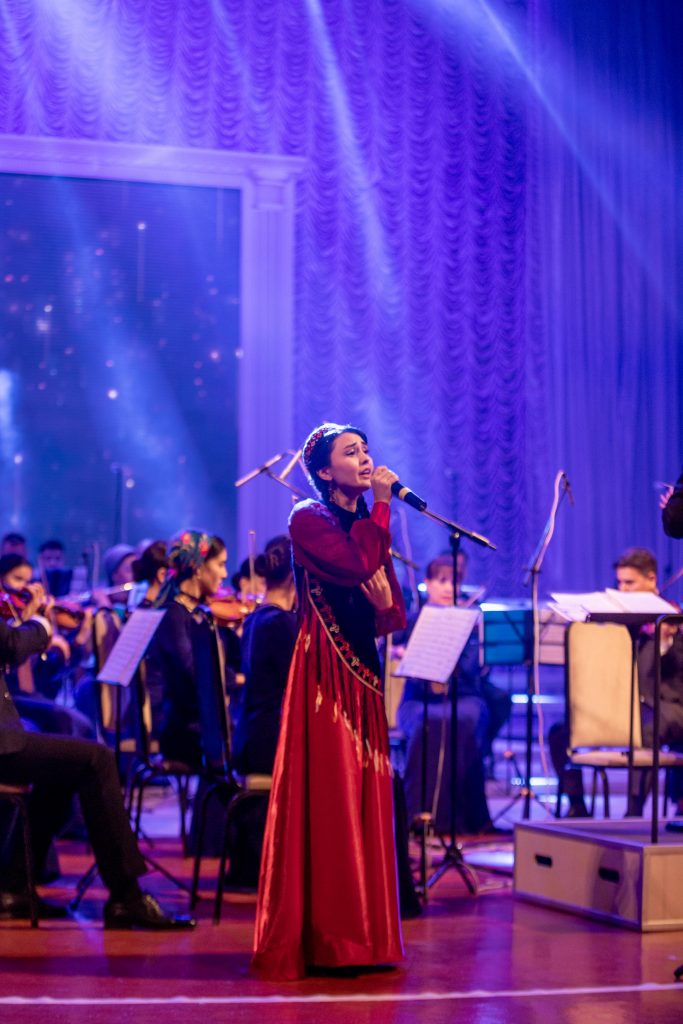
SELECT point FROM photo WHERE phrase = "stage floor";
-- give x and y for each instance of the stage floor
(486, 959)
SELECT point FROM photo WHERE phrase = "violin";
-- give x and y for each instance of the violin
(230, 610)
(12, 603)
(67, 614)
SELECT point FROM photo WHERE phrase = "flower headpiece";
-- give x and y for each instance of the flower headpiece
(188, 551)
(311, 443)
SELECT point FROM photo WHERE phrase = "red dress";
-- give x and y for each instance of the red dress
(327, 892)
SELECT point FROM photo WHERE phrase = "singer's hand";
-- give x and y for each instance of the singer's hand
(378, 590)
(381, 480)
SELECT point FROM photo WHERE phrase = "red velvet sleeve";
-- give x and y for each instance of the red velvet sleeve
(394, 618)
(324, 549)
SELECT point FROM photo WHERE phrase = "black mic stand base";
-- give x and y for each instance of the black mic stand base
(453, 858)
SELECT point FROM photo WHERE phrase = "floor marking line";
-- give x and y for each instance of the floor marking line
(370, 997)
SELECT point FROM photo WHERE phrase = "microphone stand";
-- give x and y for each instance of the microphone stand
(533, 571)
(265, 470)
(453, 857)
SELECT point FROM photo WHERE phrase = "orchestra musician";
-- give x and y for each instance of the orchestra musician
(672, 509)
(196, 571)
(636, 570)
(267, 645)
(57, 768)
(482, 708)
(328, 888)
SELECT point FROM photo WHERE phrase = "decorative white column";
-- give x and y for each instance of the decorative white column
(267, 340)
(265, 380)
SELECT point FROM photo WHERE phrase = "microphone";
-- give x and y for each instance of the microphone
(568, 489)
(410, 498)
(261, 469)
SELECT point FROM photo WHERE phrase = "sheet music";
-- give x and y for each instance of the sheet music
(132, 642)
(437, 641)
(641, 602)
(576, 607)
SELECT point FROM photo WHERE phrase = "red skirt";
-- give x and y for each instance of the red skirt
(328, 891)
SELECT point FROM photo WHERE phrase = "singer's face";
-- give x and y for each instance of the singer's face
(350, 467)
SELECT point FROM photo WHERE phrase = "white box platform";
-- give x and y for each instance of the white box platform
(607, 869)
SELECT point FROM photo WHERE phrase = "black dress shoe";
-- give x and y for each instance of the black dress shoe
(15, 906)
(142, 912)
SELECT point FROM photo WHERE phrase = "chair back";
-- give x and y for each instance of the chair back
(394, 686)
(598, 670)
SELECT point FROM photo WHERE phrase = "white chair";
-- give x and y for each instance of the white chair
(598, 691)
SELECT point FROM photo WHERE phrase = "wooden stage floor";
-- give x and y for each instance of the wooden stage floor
(489, 959)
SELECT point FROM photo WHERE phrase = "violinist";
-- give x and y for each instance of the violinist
(248, 583)
(36, 682)
(196, 571)
(268, 642)
(149, 575)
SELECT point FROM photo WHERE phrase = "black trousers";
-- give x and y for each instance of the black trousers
(59, 768)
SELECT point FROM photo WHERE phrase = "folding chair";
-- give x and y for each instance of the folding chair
(232, 789)
(598, 670)
(17, 797)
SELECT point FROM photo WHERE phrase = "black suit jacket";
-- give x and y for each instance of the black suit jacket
(16, 644)
(672, 516)
(672, 671)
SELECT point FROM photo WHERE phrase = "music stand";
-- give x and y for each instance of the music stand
(434, 648)
(121, 669)
(507, 638)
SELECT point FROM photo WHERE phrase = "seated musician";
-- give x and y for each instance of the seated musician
(149, 575)
(672, 509)
(474, 726)
(196, 571)
(636, 570)
(13, 544)
(58, 768)
(36, 682)
(267, 645)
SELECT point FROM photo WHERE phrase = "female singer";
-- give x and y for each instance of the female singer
(327, 890)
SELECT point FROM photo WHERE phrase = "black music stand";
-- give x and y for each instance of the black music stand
(508, 638)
